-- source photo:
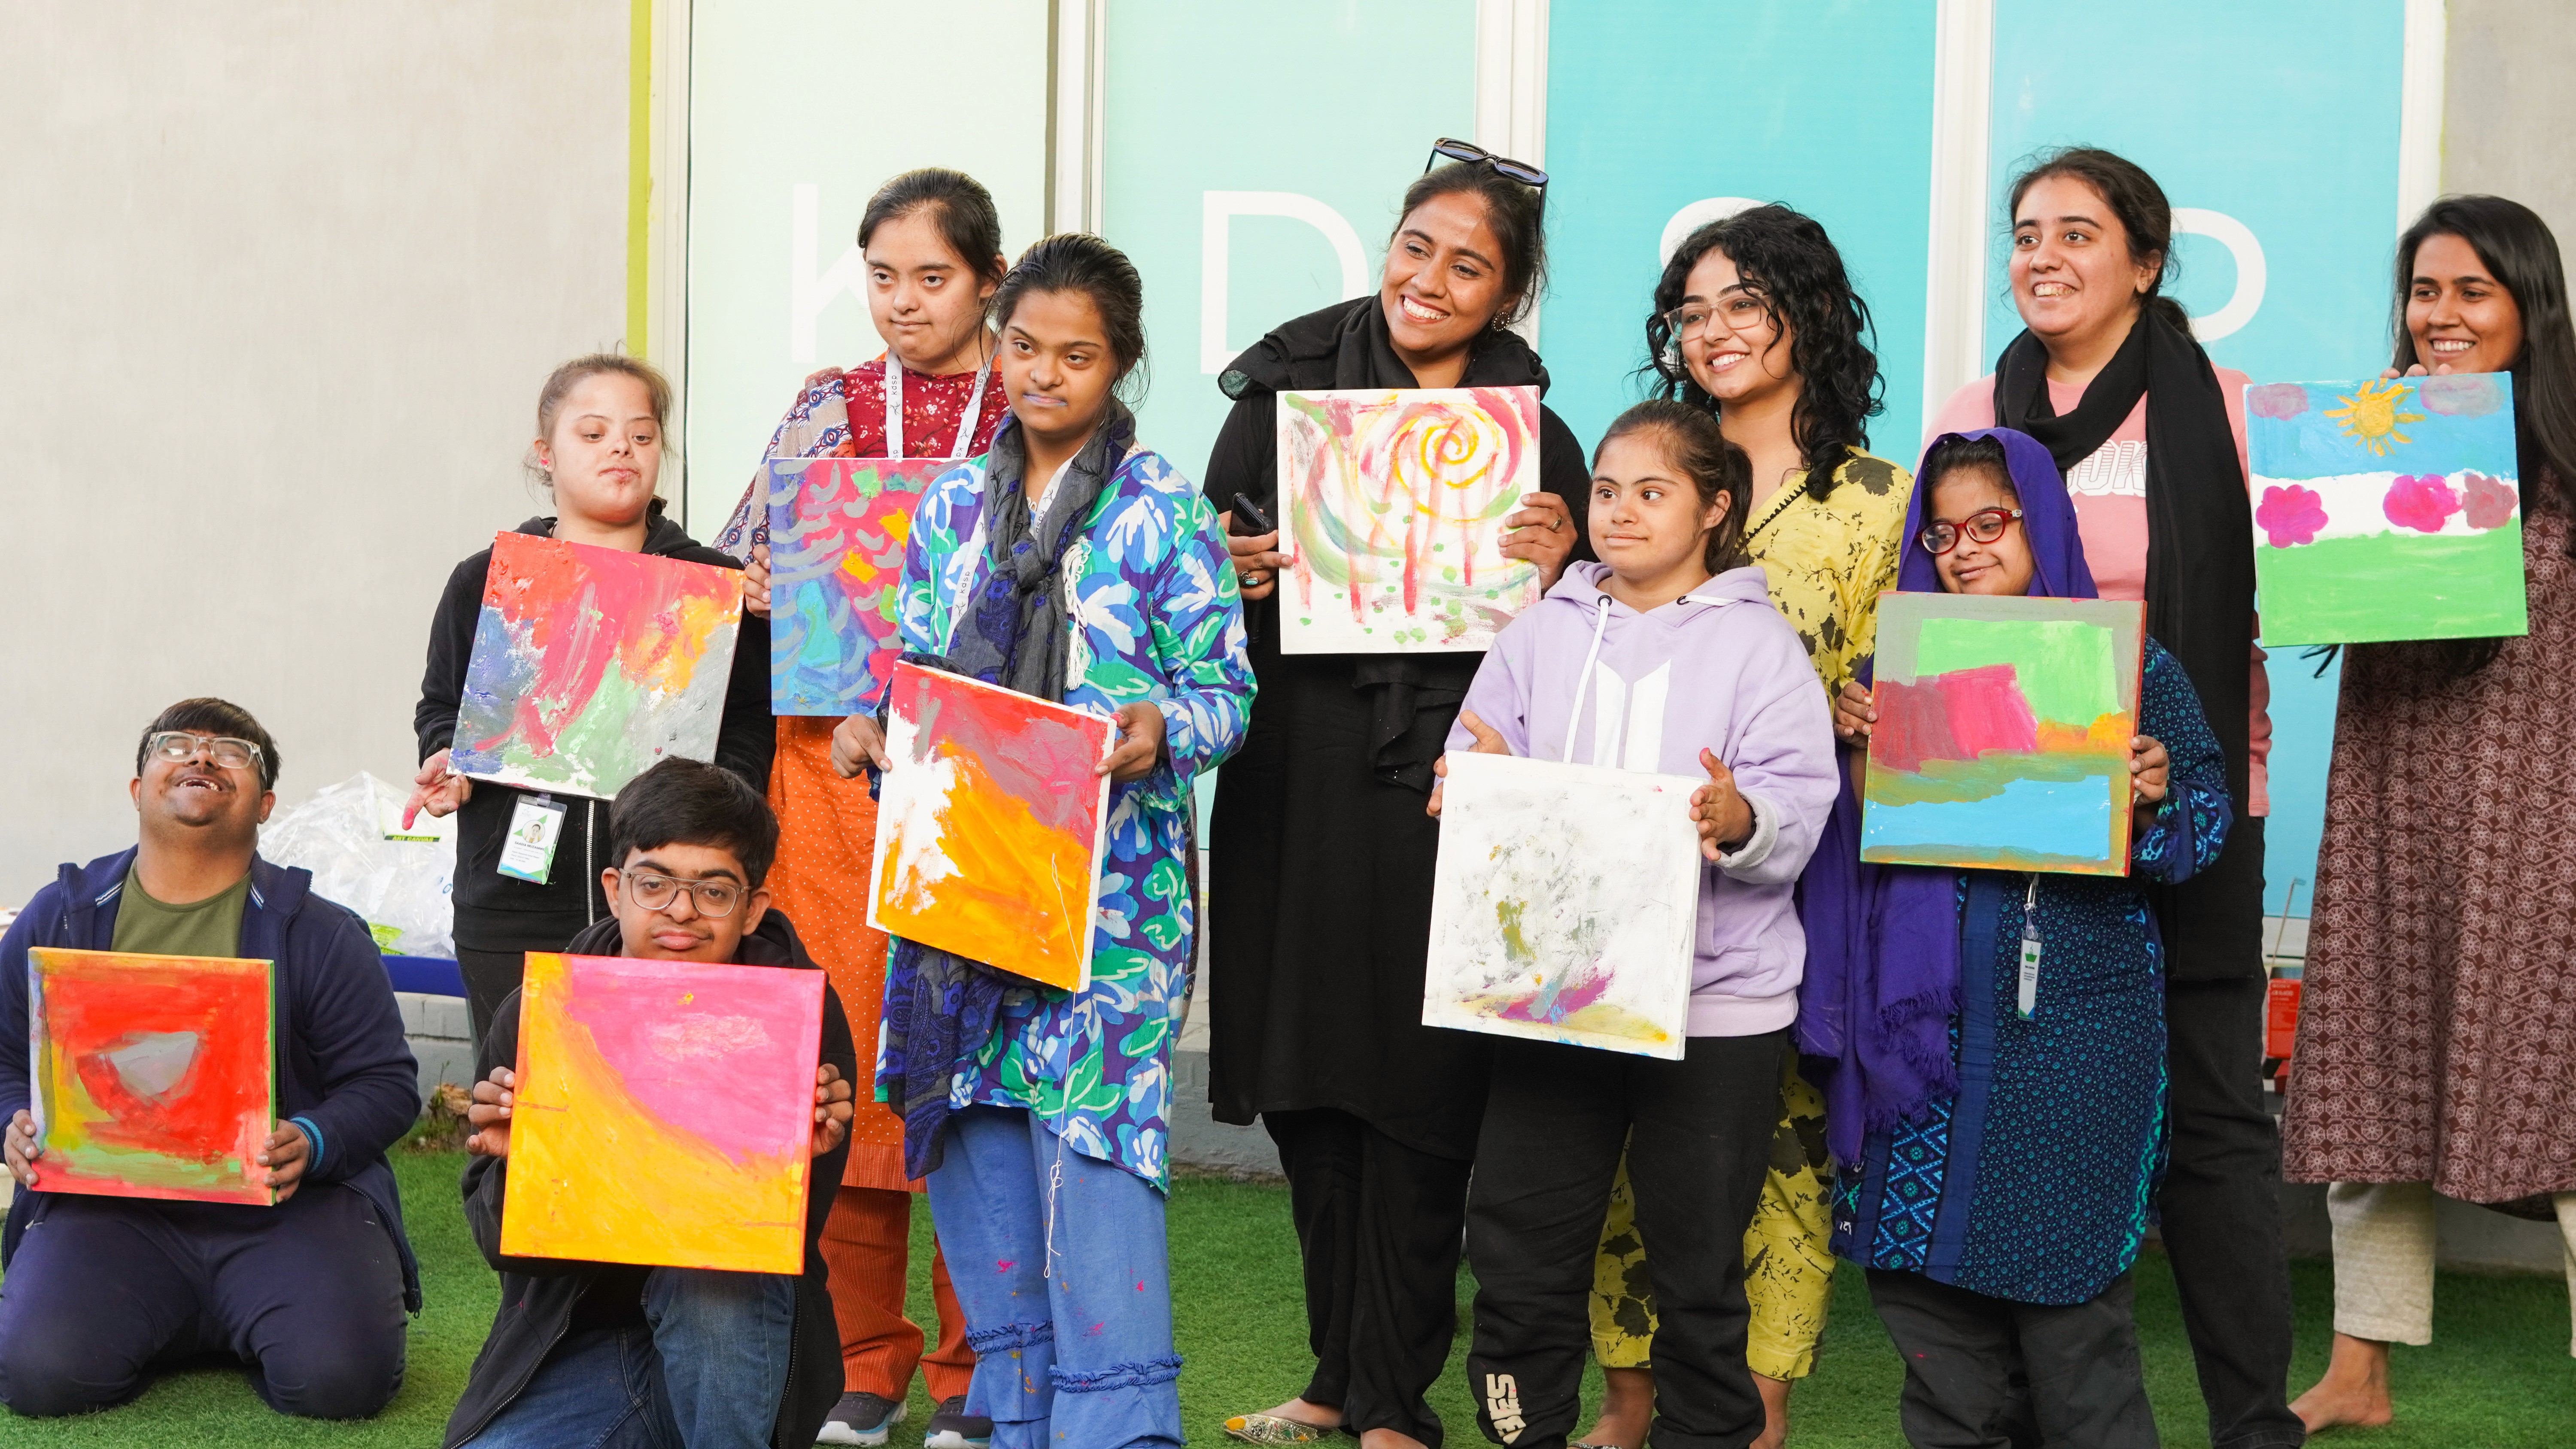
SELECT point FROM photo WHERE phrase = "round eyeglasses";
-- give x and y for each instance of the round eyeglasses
(181, 746)
(710, 897)
(1983, 526)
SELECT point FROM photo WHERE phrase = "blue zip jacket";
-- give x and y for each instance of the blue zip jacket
(344, 1073)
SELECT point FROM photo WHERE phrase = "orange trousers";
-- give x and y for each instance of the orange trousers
(865, 1246)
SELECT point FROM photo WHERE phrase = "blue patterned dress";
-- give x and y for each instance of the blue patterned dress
(2032, 1184)
(1155, 616)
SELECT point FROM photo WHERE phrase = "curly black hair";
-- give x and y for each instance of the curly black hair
(1791, 265)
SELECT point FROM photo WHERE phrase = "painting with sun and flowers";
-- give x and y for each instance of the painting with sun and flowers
(2386, 509)
(152, 1076)
(837, 528)
(1395, 502)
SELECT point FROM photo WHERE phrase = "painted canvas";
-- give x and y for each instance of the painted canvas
(990, 825)
(2003, 733)
(154, 1076)
(665, 1113)
(837, 528)
(1564, 904)
(1395, 504)
(2386, 509)
(591, 664)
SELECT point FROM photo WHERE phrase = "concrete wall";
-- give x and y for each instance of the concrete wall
(2508, 106)
(278, 283)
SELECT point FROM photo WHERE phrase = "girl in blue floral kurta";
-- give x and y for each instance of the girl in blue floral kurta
(1036, 1115)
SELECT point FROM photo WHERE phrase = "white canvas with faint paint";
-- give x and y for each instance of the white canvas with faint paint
(1564, 905)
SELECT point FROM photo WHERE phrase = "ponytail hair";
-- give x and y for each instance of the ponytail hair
(2133, 196)
(1700, 453)
(1083, 264)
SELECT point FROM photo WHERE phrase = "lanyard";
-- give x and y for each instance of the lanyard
(966, 423)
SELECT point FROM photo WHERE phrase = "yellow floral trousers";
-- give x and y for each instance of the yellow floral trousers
(1788, 1271)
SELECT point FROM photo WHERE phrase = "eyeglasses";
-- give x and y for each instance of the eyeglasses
(180, 746)
(1741, 310)
(1471, 153)
(653, 892)
(1984, 526)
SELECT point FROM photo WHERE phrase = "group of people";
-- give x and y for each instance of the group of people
(1982, 1086)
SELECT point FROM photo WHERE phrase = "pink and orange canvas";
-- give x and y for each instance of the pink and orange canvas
(665, 1113)
(989, 825)
(154, 1076)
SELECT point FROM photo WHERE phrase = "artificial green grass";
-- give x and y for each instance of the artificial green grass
(2496, 1377)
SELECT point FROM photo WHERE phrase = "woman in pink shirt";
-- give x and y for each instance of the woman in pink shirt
(2151, 438)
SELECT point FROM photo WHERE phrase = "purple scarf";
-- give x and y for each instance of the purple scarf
(1882, 973)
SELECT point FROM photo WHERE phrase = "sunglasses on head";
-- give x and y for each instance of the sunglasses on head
(1469, 152)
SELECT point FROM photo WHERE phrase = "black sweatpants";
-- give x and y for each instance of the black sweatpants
(1698, 1138)
(1989, 1373)
(2221, 1207)
(1378, 1225)
(103, 1290)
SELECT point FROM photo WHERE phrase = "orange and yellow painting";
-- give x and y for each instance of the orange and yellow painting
(154, 1076)
(665, 1113)
(989, 825)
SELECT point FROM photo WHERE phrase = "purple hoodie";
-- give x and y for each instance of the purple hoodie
(1717, 667)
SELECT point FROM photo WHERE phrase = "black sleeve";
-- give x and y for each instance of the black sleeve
(1245, 459)
(747, 736)
(1565, 472)
(451, 645)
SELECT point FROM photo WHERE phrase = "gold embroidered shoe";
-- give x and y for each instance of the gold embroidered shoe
(1272, 1429)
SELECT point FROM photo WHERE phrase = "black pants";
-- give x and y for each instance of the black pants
(492, 954)
(1378, 1224)
(2221, 1208)
(308, 1293)
(1698, 1138)
(1989, 1373)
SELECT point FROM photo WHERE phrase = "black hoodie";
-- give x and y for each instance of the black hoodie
(540, 1296)
(494, 911)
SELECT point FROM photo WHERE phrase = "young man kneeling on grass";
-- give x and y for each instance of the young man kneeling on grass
(623, 1357)
(309, 1292)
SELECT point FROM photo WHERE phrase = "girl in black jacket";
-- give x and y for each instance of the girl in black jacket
(600, 422)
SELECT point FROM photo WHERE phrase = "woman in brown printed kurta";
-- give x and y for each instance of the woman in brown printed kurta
(2437, 1036)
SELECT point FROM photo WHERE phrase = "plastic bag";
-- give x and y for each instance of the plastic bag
(401, 887)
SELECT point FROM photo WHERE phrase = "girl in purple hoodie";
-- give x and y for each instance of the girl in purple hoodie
(1667, 657)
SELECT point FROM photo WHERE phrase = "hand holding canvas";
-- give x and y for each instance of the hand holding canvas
(285, 1154)
(1489, 741)
(1724, 817)
(23, 1148)
(857, 743)
(755, 581)
(2149, 768)
(1140, 743)
(1542, 532)
(495, 1095)
(833, 1108)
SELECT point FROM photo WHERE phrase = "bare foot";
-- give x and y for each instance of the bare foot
(1775, 1412)
(2354, 1390)
(1627, 1407)
(1390, 1439)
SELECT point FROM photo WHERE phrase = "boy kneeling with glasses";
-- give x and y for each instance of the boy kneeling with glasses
(615, 1355)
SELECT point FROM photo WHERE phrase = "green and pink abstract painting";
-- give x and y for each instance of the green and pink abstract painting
(2386, 509)
(837, 529)
(2003, 732)
(592, 664)
(1564, 905)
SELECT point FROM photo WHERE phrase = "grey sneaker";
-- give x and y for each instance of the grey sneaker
(861, 1419)
(953, 1428)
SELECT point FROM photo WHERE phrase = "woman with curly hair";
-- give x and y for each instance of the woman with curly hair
(1756, 320)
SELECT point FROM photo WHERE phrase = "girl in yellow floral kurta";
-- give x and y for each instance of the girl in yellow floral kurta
(1755, 318)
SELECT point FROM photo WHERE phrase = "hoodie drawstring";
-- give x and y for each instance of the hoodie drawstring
(1583, 682)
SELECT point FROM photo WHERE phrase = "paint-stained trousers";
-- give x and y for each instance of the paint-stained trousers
(308, 1294)
(866, 1249)
(1698, 1136)
(1061, 1264)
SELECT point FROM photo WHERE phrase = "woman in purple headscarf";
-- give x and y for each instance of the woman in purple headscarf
(2000, 1129)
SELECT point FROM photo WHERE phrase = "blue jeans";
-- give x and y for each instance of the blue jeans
(1109, 1380)
(705, 1373)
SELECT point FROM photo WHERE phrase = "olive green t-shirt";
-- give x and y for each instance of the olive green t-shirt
(211, 927)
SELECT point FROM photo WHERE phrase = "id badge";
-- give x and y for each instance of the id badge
(528, 850)
(2028, 1000)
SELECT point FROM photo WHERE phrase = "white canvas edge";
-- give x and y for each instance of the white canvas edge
(1099, 828)
(1441, 1012)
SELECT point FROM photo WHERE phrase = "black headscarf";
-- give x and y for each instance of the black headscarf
(1347, 345)
(2200, 582)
